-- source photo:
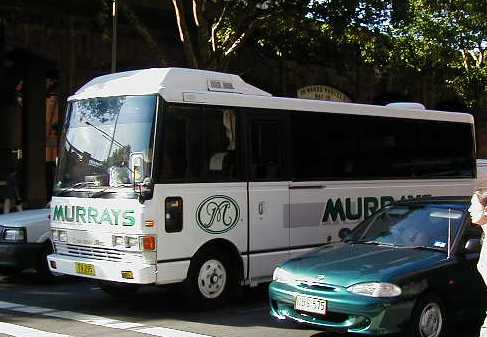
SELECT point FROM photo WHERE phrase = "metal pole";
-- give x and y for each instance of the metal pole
(449, 233)
(114, 36)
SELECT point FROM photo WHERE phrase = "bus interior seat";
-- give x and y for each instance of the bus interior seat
(222, 164)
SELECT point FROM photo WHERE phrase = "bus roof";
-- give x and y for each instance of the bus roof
(214, 88)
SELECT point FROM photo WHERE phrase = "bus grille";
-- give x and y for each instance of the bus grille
(96, 253)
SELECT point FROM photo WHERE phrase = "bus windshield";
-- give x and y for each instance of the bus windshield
(107, 143)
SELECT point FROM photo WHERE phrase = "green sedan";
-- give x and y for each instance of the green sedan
(409, 267)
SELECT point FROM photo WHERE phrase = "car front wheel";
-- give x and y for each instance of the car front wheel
(429, 317)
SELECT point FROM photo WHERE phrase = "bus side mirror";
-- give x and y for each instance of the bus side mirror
(473, 246)
(137, 167)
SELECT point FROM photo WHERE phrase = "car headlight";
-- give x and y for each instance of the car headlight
(375, 289)
(14, 234)
(282, 275)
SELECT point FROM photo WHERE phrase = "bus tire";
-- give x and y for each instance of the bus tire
(118, 289)
(211, 279)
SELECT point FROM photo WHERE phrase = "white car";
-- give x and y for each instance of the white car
(25, 241)
(481, 173)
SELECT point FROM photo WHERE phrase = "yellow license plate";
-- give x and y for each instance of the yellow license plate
(84, 268)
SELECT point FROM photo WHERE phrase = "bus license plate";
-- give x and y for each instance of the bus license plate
(310, 304)
(84, 268)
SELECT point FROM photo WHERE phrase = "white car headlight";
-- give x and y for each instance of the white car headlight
(375, 289)
(282, 275)
(14, 234)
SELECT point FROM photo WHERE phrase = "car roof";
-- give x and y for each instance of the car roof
(443, 200)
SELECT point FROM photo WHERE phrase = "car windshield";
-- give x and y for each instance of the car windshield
(411, 226)
(107, 142)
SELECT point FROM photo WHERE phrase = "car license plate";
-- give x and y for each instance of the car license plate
(310, 304)
(84, 268)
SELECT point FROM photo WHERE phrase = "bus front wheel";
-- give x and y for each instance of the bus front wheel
(210, 279)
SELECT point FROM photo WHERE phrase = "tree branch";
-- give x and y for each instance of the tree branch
(184, 34)
(239, 42)
(465, 59)
(214, 28)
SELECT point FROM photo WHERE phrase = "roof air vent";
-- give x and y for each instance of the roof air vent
(214, 84)
(406, 105)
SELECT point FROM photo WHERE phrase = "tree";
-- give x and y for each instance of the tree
(450, 36)
(214, 31)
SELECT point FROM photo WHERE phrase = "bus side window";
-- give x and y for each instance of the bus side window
(199, 144)
(266, 150)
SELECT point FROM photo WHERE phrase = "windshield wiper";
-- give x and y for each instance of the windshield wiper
(74, 187)
(372, 242)
(425, 248)
(108, 190)
(100, 193)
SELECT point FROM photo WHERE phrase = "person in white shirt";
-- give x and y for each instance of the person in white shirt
(478, 213)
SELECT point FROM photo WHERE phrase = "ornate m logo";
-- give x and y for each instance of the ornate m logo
(217, 214)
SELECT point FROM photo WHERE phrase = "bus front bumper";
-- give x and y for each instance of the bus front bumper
(103, 270)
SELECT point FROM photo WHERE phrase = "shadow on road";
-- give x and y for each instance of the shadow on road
(153, 304)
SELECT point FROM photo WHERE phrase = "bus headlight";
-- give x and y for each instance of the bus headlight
(118, 240)
(63, 236)
(55, 235)
(375, 289)
(59, 235)
(131, 242)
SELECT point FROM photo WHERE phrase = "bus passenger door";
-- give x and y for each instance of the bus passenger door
(268, 194)
(307, 231)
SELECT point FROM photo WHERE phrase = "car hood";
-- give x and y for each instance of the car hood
(344, 264)
(20, 219)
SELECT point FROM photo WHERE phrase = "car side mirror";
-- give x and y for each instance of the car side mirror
(344, 233)
(473, 246)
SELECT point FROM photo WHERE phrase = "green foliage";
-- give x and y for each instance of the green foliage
(444, 39)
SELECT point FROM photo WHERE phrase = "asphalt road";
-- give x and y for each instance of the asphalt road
(73, 307)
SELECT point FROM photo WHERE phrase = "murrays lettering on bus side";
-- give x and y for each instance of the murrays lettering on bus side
(91, 215)
(357, 208)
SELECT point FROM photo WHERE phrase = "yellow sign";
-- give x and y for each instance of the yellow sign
(322, 92)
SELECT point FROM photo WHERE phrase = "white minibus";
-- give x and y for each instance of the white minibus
(195, 177)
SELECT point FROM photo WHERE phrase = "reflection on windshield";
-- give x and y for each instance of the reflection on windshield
(411, 226)
(107, 142)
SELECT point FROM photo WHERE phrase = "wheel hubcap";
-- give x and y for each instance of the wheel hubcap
(431, 321)
(212, 279)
